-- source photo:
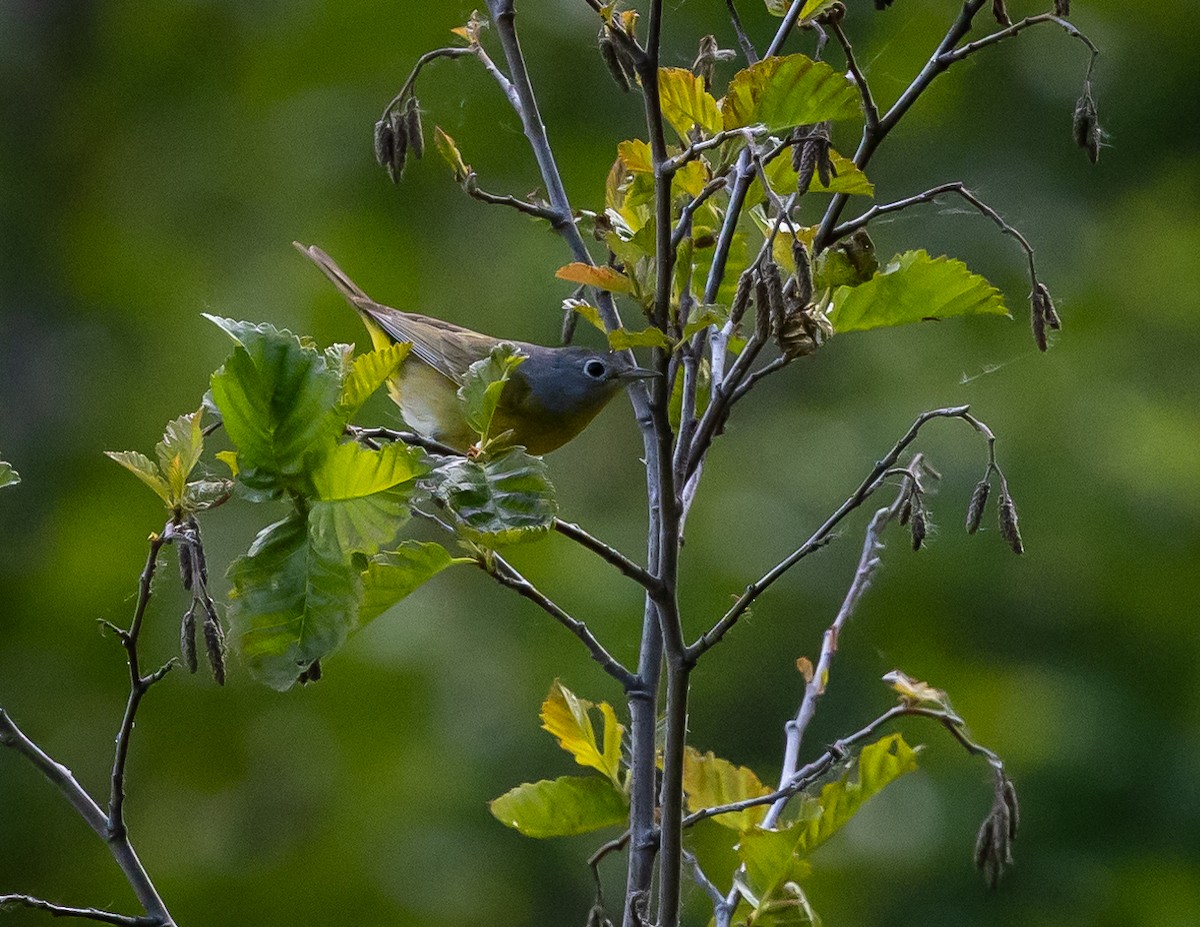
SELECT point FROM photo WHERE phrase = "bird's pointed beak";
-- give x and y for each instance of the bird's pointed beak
(637, 373)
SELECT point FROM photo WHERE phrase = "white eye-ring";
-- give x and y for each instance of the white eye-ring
(595, 369)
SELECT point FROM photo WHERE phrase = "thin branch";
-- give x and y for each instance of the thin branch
(683, 227)
(55, 773)
(704, 881)
(406, 88)
(138, 686)
(870, 110)
(609, 554)
(90, 914)
(536, 210)
(507, 575)
(874, 134)
(970, 48)
(822, 535)
(929, 196)
(868, 566)
(747, 46)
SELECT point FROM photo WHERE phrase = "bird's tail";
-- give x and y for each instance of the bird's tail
(347, 287)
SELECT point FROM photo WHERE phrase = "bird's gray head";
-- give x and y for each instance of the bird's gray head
(566, 381)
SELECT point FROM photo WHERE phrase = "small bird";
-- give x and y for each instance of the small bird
(548, 399)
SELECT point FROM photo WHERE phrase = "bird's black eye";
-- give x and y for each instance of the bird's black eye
(595, 369)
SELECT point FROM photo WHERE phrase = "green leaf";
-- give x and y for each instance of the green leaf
(602, 278)
(144, 469)
(702, 316)
(204, 494)
(289, 604)
(783, 92)
(914, 287)
(8, 476)
(365, 374)
(709, 780)
(562, 807)
(179, 451)
(878, 765)
(685, 102)
(636, 157)
(448, 149)
(586, 311)
(391, 575)
(362, 498)
(505, 500)
(276, 395)
(771, 861)
(850, 262)
(565, 716)
(483, 384)
(621, 339)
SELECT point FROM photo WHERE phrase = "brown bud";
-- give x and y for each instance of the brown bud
(214, 641)
(608, 52)
(385, 142)
(1014, 810)
(187, 566)
(1085, 126)
(413, 129)
(399, 130)
(774, 286)
(804, 283)
(919, 527)
(1001, 13)
(1009, 529)
(977, 504)
(1062, 7)
(906, 510)
(704, 66)
(1038, 322)
(187, 638)
(762, 310)
(741, 297)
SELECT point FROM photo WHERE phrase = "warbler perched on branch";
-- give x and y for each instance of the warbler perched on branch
(548, 399)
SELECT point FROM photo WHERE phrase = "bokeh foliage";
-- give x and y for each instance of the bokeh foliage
(158, 160)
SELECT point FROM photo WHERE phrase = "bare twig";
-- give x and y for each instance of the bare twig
(870, 110)
(868, 565)
(822, 535)
(90, 914)
(507, 575)
(111, 827)
(536, 210)
(609, 554)
(743, 40)
(853, 225)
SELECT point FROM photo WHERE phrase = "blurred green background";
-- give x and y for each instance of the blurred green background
(156, 161)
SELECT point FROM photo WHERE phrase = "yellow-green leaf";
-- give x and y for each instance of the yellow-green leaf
(811, 8)
(562, 807)
(448, 149)
(368, 372)
(602, 278)
(685, 102)
(914, 287)
(709, 780)
(230, 459)
(565, 716)
(782, 92)
(878, 765)
(144, 469)
(622, 339)
(8, 476)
